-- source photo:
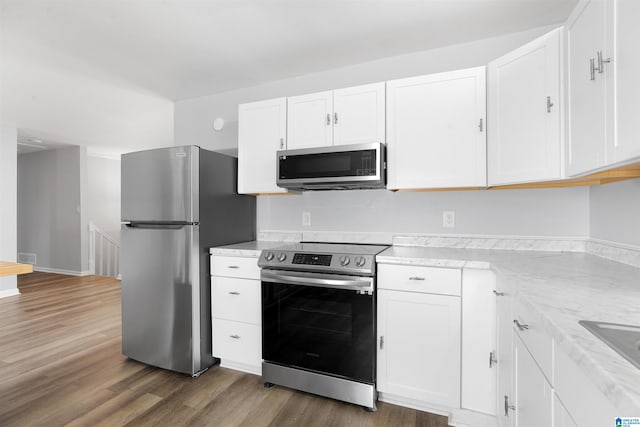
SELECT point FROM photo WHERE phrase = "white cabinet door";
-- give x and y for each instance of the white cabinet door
(359, 115)
(533, 394)
(561, 417)
(310, 120)
(261, 132)
(625, 65)
(478, 341)
(436, 133)
(588, 127)
(504, 355)
(419, 346)
(524, 136)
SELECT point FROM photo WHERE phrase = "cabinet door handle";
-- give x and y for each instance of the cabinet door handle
(549, 104)
(592, 68)
(492, 359)
(235, 336)
(335, 118)
(521, 326)
(416, 278)
(507, 406)
(233, 266)
(234, 293)
(481, 125)
(381, 342)
(601, 62)
(498, 294)
(281, 142)
(328, 119)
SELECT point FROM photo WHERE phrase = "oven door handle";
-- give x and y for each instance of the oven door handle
(319, 280)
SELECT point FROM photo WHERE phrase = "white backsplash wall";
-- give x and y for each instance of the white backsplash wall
(560, 212)
(615, 212)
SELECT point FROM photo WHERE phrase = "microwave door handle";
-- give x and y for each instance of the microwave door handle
(321, 281)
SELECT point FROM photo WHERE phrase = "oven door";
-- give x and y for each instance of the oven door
(320, 322)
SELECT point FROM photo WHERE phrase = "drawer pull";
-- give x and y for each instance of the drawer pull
(521, 326)
(416, 278)
(233, 266)
(235, 336)
(498, 294)
(234, 293)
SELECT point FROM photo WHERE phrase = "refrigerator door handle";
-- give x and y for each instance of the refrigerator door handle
(159, 226)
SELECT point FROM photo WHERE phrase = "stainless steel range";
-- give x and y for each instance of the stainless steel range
(319, 319)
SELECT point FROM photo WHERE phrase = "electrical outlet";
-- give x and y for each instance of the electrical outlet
(306, 219)
(449, 219)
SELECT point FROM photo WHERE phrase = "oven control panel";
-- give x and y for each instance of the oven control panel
(331, 263)
(311, 259)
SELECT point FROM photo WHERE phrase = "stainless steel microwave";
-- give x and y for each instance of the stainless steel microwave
(341, 167)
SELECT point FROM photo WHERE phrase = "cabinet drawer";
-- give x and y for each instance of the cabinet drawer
(235, 299)
(537, 341)
(236, 341)
(432, 280)
(233, 266)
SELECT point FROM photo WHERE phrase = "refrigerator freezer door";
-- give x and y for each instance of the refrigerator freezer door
(161, 185)
(161, 297)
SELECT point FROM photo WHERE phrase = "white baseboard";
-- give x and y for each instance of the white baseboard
(250, 369)
(61, 271)
(9, 293)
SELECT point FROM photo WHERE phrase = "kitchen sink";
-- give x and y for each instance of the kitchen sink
(625, 339)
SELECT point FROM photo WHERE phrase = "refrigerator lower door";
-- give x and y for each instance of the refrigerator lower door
(162, 297)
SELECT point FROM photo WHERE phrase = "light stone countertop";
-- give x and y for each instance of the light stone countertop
(561, 289)
(249, 249)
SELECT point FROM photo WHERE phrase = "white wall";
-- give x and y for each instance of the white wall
(50, 206)
(541, 212)
(615, 212)
(8, 202)
(103, 194)
(194, 117)
(58, 98)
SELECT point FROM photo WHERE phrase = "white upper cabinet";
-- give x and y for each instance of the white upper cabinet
(346, 116)
(310, 120)
(525, 113)
(603, 67)
(626, 68)
(588, 130)
(436, 130)
(358, 115)
(262, 130)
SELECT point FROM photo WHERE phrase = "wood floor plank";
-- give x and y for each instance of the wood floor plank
(61, 364)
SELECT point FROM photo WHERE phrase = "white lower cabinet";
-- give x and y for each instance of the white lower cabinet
(533, 394)
(478, 387)
(538, 383)
(561, 417)
(235, 313)
(419, 346)
(419, 336)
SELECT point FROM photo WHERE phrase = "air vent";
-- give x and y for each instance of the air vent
(27, 258)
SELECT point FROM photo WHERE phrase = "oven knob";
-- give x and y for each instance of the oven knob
(268, 256)
(344, 260)
(282, 256)
(360, 261)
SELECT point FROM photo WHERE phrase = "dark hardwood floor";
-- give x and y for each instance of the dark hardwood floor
(60, 364)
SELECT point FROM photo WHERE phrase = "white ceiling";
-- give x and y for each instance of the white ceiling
(181, 49)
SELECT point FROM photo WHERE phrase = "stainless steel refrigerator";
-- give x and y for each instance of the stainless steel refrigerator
(176, 203)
